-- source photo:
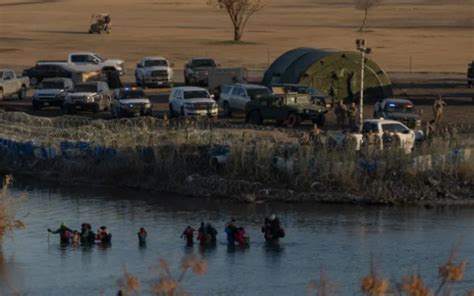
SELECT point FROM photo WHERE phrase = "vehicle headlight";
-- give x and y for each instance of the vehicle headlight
(147, 73)
(90, 99)
(147, 105)
(188, 105)
(214, 105)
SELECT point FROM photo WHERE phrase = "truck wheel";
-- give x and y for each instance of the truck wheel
(96, 108)
(1, 94)
(227, 111)
(255, 117)
(182, 112)
(186, 80)
(293, 120)
(22, 93)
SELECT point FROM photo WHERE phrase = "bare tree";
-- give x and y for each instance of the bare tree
(365, 5)
(239, 12)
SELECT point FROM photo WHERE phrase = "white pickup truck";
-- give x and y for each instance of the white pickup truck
(11, 85)
(90, 61)
(154, 71)
(379, 126)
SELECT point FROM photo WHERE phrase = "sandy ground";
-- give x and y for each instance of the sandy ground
(435, 39)
(437, 36)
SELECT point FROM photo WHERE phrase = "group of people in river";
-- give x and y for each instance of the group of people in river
(236, 235)
(83, 237)
(206, 234)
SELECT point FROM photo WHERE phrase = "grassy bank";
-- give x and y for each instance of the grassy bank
(260, 164)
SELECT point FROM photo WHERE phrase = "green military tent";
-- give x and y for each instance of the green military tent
(335, 73)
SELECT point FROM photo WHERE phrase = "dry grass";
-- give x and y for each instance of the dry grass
(375, 285)
(8, 220)
(166, 284)
(169, 151)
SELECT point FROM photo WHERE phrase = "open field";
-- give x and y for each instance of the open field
(437, 35)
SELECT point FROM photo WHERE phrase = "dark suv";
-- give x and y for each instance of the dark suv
(196, 71)
(41, 71)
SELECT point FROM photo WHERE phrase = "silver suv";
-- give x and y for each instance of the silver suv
(234, 97)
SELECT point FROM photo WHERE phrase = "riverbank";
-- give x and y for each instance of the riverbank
(244, 163)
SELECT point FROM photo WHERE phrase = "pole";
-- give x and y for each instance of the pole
(361, 100)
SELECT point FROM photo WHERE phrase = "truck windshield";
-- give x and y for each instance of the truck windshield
(133, 94)
(394, 128)
(52, 85)
(255, 93)
(298, 100)
(399, 107)
(85, 88)
(156, 63)
(100, 58)
(203, 64)
(196, 94)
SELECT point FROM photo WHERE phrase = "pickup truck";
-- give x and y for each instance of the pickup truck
(12, 85)
(51, 92)
(196, 70)
(154, 71)
(89, 61)
(379, 126)
(92, 95)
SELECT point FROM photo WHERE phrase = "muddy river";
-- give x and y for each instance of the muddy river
(340, 240)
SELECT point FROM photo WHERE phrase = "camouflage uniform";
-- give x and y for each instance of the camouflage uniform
(438, 109)
(352, 114)
(340, 110)
(317, 138)
(369, 142)
(387, 140)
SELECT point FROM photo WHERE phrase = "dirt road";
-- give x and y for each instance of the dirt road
(422, 88)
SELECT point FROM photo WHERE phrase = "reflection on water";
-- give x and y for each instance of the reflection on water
(337, 239)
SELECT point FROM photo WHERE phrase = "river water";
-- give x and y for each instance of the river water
(340, 240)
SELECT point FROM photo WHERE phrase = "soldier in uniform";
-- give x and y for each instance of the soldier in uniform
(387, 140)
(377, 142)
(438, 109)
(369, 141)
(430, 131)
(341, 111)
(352, 114)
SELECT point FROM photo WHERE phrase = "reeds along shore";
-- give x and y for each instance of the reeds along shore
(254, 162)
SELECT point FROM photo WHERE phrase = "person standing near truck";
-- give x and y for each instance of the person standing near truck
(340, 110)
(438, 109)
(352, 114)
